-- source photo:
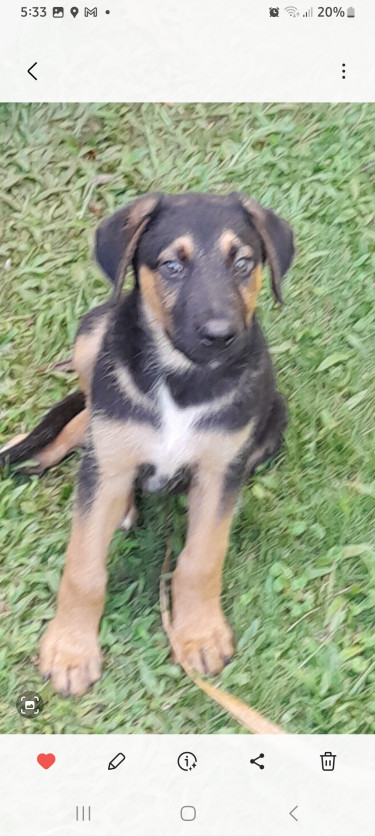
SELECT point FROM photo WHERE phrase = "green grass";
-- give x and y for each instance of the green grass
(299, 585)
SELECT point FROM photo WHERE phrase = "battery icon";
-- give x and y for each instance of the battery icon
(351, 12)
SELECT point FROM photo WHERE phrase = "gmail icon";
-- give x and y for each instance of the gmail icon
(93, 12)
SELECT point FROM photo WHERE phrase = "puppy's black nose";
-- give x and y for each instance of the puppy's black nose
(217, 333)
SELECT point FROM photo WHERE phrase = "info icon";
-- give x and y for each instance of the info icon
(187, 761)
(58, 11)
(29, 704)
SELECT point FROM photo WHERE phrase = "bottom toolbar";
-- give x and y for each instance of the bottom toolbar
(195, 785)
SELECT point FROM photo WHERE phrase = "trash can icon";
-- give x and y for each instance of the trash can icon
(328, 761)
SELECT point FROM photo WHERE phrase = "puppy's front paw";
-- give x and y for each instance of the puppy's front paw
(72, 660)
(206, 646)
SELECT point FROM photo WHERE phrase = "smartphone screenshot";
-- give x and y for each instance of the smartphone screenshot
(187, 320)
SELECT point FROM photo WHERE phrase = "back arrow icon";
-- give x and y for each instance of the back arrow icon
(31, 68)
(292, 811)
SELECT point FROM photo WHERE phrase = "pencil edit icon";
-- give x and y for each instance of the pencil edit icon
(116, 761)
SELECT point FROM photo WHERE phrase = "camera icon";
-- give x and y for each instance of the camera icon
(274, 11)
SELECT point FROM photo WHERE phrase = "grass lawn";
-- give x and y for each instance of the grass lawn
(299, 585)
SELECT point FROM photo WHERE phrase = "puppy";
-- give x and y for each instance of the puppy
(177, 392)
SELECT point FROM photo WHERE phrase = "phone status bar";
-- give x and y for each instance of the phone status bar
(327, 12)
(60, 12)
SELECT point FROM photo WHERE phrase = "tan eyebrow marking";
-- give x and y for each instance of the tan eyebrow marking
(229, 240)
(159, 300)
(182, 247)
(249, 292)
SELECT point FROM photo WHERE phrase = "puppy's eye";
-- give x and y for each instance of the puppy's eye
(243, 266)
(172, 268)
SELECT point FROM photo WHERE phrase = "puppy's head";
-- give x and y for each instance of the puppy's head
(198, 263)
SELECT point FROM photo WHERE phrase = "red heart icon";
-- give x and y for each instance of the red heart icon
(46, 760)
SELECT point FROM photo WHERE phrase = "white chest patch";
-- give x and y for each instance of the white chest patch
(173, 445)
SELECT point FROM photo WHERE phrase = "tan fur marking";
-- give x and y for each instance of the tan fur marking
(141, 208)
(227, 240)
(86, 350)
(71, 436)
(122, 445)
(119, 446)
(250, 292)
(169, 356)
(13, 442)
(201, 636)
(182, 247)
(152, 292)
(127, 385)
(69, 651)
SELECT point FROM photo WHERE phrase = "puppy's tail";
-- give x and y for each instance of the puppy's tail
(45, 432)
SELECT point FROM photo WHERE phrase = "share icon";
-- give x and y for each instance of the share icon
(255, 760)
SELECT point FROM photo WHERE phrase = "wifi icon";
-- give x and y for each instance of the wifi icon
(292, 11)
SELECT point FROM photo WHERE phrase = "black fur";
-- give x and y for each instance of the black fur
(267, 442)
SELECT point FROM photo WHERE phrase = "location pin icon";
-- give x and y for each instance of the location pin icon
(74, 11)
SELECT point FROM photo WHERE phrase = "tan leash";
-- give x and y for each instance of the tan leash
(244, 714)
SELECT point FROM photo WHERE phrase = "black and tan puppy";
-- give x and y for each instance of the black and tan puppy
(178, 389)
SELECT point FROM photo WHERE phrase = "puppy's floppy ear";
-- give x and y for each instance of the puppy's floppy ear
(117, 237)
(277, 237)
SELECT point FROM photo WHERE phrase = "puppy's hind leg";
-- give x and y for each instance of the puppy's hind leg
(70, 437)
(62, 426)
(13, 442)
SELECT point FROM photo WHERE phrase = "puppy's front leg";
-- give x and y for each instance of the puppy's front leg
(202, 637)
(69, 650)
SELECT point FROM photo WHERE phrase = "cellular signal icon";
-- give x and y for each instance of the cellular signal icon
(309, 12)
(292, 11)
